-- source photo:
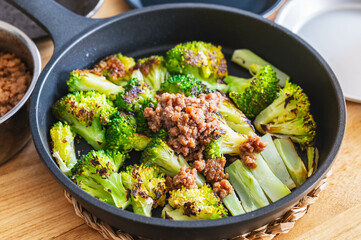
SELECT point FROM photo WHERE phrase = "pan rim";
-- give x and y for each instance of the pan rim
(273, 208)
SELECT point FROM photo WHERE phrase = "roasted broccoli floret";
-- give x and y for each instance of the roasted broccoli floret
(158, 153)
(186, 84)
(86, 80)
(62, 138)
(234, 117)
(227, 142)
(121, 135)
(253, 95)
(136, 97)
(87, 113)
(117, 157)
(289, 115)
(194, 204)
(96, 173)
(213, 150)
(246, 58)
(152, 71)
(202, 60)
(147, 188)
(116, 68)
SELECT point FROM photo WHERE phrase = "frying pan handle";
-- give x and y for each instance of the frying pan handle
(62, 24)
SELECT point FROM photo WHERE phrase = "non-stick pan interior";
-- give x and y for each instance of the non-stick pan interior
(153, 31)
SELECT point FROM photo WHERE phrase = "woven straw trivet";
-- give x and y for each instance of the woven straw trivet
(269, 231)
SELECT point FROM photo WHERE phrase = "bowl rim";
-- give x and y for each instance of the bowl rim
(35, 54)
(258, 214)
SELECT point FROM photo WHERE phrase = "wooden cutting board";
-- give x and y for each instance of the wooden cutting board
(32, 204)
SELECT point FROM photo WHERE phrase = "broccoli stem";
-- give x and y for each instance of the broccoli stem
(293, 162)
(233, 204)
(246, 58)
(271, 185)
(83, 80)
(246, 186)
(312, 156)
(275, 162)
(235, 117)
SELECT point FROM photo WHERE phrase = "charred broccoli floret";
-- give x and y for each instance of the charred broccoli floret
(158, 153)
(213, 150)
(96, 173)
(147, 188)
(253, 95)
(186, 84)
(62, 138)
(226, 143)
(202, 60)
(151, 70)
(194, 204)
(86, 80)
(87, 113)
(116, 68)
(136, 97)
(289, 115)
(234, 117)
(121, 135)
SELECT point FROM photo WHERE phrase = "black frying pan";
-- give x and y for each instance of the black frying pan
(81, 42)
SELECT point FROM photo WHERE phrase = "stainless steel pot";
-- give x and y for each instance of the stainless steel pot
(14, 125)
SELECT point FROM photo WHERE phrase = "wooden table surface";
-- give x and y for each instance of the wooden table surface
(32, 204)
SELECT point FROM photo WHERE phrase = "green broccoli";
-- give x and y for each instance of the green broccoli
(292, 160)
(152, 71)
(253, 95)
(202, 60)
(147, 188)
(247, 58)
(87, 113)
(63, 148)
(233, 204)
(117, 157)
(136, 97)
(121, 135)
(235, 117)
(194, 204)
(116, 68)
(186, 84)
(86, 80)
(227, 142)
(289, 115)
(246, 186)
(96, 173)
(158, 153)
(213, 150)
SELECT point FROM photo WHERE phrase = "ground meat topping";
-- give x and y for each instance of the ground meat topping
(186, 177)
(14, 81)
(223, 188)
(214, 170)
(189, 121)
(248, 148)
(199, 165)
